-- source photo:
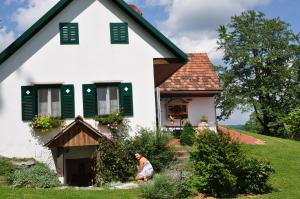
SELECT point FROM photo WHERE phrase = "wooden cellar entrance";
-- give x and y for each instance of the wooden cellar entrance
(79, 172)
(73, 150)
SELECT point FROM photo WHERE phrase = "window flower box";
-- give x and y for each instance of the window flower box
(45, 123)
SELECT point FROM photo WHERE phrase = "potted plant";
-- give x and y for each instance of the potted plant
(112, 120)
(204, 118)
(203, 123)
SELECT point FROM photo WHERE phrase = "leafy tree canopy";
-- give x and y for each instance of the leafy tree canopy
(262, 68)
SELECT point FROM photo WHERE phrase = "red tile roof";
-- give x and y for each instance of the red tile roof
(196, 75)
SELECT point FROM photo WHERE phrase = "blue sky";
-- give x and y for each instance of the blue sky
(191, 24)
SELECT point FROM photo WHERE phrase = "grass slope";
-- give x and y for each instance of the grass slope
(284, 156)
(13, 193)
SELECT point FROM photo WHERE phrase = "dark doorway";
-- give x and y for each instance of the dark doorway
(79, 172)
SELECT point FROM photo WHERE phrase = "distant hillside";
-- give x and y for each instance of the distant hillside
(239, 127)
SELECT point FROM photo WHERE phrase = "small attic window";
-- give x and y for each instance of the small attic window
(69, 33)
(119, 33)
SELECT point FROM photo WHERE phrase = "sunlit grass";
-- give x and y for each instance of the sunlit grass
(23, 193)
(284, 156)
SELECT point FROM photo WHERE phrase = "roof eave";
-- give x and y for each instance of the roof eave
(184, 91)
(202, 93)
(191, 91)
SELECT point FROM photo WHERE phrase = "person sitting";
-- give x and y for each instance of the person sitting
(145, 169)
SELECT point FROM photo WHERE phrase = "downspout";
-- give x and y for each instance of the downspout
(157, 108)
(216, 121)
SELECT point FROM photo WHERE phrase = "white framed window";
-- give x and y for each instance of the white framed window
(107, 99)
(49, 101)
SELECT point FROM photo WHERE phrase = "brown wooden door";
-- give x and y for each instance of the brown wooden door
(79, 172)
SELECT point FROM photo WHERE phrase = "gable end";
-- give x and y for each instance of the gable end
(55, 10)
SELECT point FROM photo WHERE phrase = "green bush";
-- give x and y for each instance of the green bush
(253, 176)
(37, 176)
(183, 183)
(187, 134)
(169, 184)
(221, 168)
(292, 124)
(113, 163)
(161, 187)
(152, 144)
(213, 157)
(214, 178)
(6, 168)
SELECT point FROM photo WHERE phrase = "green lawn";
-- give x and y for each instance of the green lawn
(284, 156)
(14, 193)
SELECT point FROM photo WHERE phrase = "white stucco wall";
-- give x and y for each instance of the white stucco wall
(44, 60)
(197, 107)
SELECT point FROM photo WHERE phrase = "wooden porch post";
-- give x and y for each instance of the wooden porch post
(60, 161)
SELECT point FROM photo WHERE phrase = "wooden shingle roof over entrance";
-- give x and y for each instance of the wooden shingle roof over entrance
(78, 133)
(194, 77)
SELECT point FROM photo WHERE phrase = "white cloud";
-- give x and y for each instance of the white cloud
(255, 2)
(26, 16)
(158, 2)
(6, 38)
(150, 2)
(192, 24)
(203, 44)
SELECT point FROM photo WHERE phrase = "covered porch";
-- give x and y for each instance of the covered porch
(188, 95)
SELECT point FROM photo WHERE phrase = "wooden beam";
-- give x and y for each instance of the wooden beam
(161, 61)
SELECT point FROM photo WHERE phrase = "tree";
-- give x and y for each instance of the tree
(262, 66)
(253, 125)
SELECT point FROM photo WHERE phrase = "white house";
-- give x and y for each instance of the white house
(92, 57)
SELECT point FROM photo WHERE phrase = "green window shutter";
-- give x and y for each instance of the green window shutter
(89, 100)
(69, 33)
(126, 99)
(67, 101)
(119, 33)
(29, 106)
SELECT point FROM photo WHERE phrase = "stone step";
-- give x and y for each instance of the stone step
(181, 151)
(183, 155)
(180, 165)
(186, 156)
